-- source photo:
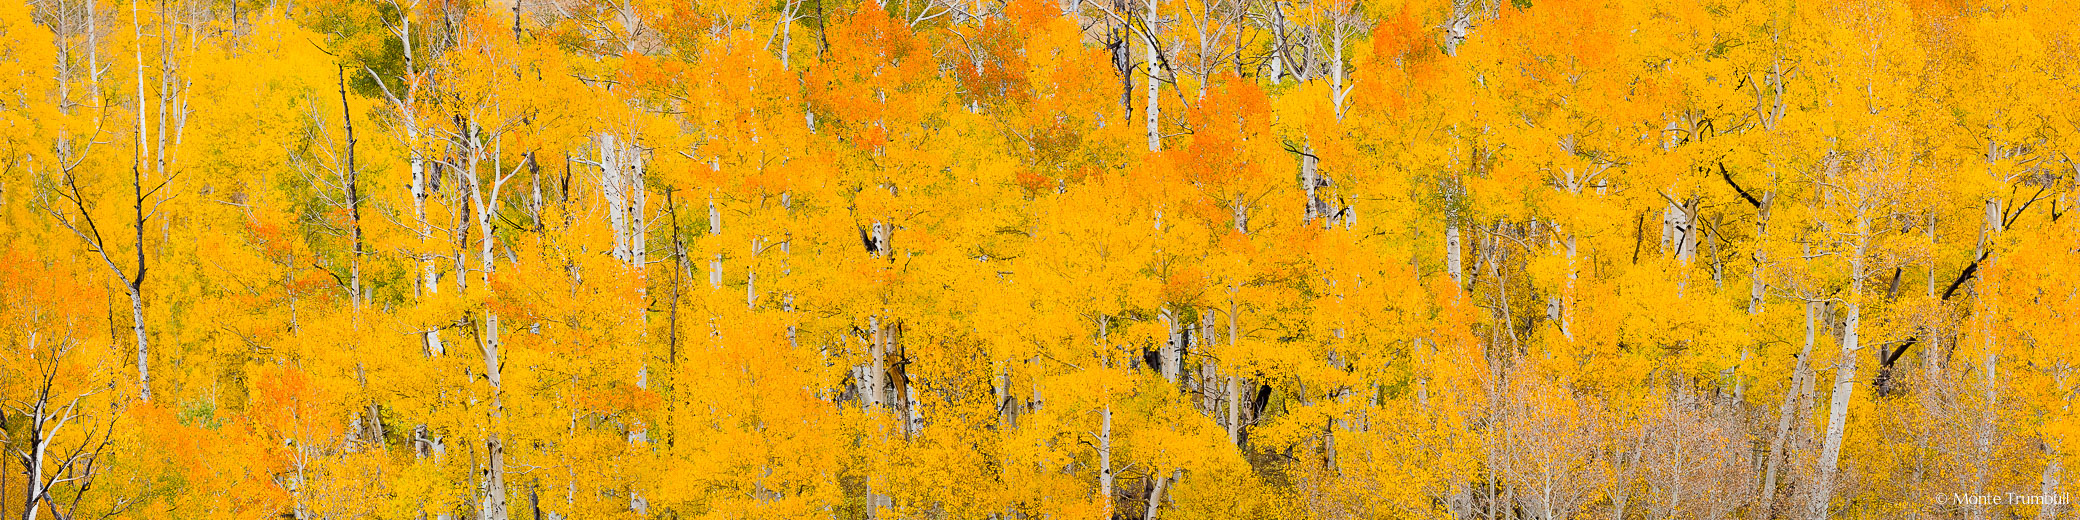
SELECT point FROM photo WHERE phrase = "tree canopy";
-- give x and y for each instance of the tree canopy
(1021, 259)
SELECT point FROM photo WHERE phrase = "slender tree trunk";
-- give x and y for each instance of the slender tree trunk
(1756, 286)
(1210, 387)
(429, 271)
(494, 501)
(136, 287)
(136, 282)
(1568, 299)
(871, 384)
(612, 187)
(1172, 356)
(484, 200)
(751, 275)
(1455, 27)
(1105, 458)
(166, 88)
(1844, 378)
(1155, 60)
(1990, 381)
(1278, 43)
(1930, 367)
(1155, 496)
(2048, 484)
(1238, 397)
(1310, 182)
(1453, 262)
(637, 210)
(1123, 59)
(714, 228)
(1785, 413)
(93, 54)
(1337, 92)
(39, 443)
(355, 296)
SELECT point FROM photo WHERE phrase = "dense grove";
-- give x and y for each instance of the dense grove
(1025, 259)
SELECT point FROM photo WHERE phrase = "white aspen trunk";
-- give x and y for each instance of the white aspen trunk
(299, 486)
(1428, 351)
(144, 371)
(1786, 412)
(1930, 367)
(1241, 216)
(1236, 401)
(487, 213)
(1155, 136)
(494, 500)
(1987, 432)
(430, 279)
(34, 486)
(911, 410)
(787, 34)
(1210, 390)
(144, 375)
(492, 505)
(1844, 378)
(611, 186)
(1686, 251)
(1336, 422)
(1238, 398)
(1337, 92)
(1105, 458)
(871, 385)
(460, 230)
(1455, 28)
(1567, 300)
(429, 271)
(44, 425)
(429, 275)
(1307, 185)
(1453, 262)
(1206, 42)
(93, 53)
(1007, 405)
(1802, 433)
(1173, 351)
(137, 31)
(1756, 285)
(622, 179)
(638, 208)
(39, 443)
(714, 228)
(2048, 485)
(1278, 43)
(166, 86)
(882, 246)
(1155, 496)
(1771, 111)
(1671, 227)
(355, 295)
(751, 277)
